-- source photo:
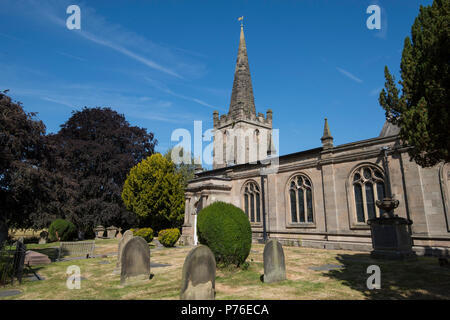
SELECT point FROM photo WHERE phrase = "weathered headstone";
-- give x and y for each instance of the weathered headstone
(199, 275)
(135, 260)
(126, 237)
(43, 236)
(274, 265)
(119, 234)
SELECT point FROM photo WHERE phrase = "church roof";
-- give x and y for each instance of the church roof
(389, 129)
(242, 100)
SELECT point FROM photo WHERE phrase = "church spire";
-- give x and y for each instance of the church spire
(242, 101)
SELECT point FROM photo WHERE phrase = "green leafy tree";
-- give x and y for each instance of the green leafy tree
(25, 188)
(422, 109)
(154, 192)
(187, 170)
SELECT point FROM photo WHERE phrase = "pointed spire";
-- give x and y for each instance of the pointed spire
(327, 139)
(242, 100)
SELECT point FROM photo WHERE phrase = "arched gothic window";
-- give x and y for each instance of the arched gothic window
(368, 186)
(301, 200)
(252, 202)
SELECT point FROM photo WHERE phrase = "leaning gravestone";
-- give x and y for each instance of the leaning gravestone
(135, 260)
(199, 275)
(126, 237)
(274, 265)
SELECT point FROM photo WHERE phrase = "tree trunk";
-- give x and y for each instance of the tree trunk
(3, 232)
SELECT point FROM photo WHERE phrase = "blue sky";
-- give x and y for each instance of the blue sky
(167, 63)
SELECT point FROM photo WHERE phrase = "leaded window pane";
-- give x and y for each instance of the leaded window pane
(359, 203)
(309, 204)
(367, 173)
(370, 203)
(258, 213)
(293, 205)
(252, 207)
(356, 177)
(246, 204)
(378, 174)
(301, 205)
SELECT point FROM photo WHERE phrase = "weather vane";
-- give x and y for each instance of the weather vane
(241, 19)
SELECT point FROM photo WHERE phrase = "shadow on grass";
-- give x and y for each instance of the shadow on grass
(414, 279)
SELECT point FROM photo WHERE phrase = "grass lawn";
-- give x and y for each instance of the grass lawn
(420, 279)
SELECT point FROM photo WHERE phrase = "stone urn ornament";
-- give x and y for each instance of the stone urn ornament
(99, 231)
(391, 238)
(111, 232)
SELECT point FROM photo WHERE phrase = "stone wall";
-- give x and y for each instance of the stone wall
(422, 192)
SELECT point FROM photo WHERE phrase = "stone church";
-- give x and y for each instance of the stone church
(320, 197)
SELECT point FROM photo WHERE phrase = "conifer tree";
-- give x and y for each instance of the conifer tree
(154, 192)
(422, 109)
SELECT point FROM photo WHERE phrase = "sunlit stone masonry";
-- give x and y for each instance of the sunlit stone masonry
(322, 197)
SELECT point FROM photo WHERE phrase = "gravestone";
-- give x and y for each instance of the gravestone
(119, 234)
(274, 265)
(43, 236)
(199, 275)
(126, 237)
(135, 260)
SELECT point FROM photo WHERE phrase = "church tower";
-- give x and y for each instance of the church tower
(241, 136)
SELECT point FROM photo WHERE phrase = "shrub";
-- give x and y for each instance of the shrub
(168, 237)
(225, 229)
(66, 230)
(146, 233)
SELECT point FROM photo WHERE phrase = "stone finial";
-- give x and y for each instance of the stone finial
(327, 139)
(215, 118)
(269, 115)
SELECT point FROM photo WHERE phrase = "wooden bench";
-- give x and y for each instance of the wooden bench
(77, 249)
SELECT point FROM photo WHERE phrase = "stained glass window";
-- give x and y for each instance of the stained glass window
(301, 200)
(252, 202)
(366, 190)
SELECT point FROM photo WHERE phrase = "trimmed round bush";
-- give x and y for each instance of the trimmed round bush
(146, 233)
(66, 230)
(168, 237)
(225, 229)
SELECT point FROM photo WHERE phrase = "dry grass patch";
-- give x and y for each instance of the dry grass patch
(400, 280)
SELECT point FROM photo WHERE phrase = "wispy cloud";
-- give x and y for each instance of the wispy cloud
(70, 56)
(129, 53)
(128, 43)
(136, 106)
(349, 75)
(164, 89)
